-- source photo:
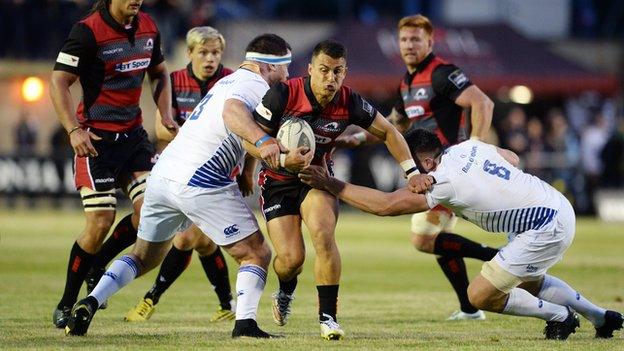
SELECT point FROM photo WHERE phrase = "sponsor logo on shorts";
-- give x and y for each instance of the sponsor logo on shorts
(415, 111)
(231, 230)
(132, 65)
(272, 208)
(104, 180)
(531, 269)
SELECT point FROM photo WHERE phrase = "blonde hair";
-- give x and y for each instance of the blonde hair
(201, 35)
(416, 21)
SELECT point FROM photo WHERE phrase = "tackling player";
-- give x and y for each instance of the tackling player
(480, 182)
(194, 181)
(432, 95)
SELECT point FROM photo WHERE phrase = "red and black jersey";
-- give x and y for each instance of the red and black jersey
(427, 97)
(111, 61)
(188, 90)
(295, 99)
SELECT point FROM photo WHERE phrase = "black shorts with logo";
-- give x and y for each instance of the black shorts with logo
(280, 196)
(119, 155)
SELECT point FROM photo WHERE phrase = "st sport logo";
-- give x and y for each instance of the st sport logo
(132, 65)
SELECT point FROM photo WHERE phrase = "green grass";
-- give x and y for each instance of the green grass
(391, 297)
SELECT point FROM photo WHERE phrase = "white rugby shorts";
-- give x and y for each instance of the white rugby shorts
(530, 254)
(170, 207)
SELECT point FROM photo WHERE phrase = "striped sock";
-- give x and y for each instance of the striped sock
(250, 283)
(119, 274)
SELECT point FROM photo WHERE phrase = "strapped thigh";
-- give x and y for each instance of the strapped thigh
(136, 188)
(93, 200)
(500, 278)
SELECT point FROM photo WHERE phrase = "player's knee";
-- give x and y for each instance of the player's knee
(205, 247)
(424, 242)
(324, 241)
(477, 297)
(185, 241)
(291, 260)
(99, 223)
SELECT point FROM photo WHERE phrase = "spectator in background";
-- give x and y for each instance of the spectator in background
(563, 146)
(534, 158)
(593, 140)
(514, 133)
(26, 133)
(612, 157)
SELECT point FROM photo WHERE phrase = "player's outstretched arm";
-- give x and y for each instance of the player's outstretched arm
(396, 144)
(481, 108)
(366, 199)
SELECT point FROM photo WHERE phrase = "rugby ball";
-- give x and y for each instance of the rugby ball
(295, 133)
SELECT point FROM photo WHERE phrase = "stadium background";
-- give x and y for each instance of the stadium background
(554, 69)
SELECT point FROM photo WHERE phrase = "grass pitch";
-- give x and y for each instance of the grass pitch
(391, 297)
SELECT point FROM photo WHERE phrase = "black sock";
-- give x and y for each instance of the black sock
(217, 272)
(328, 301)
(289, 286)
(455, 270)
(123, 236)
(449, 244)
(174, 264)
(77, 268)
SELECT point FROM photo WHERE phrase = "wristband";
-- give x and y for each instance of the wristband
(73, 130)
(409, 166)
(262, 140)
(282, 160)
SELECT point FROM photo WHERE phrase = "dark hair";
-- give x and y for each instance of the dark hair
(330, 48)
(422, 140)
(99, 5)
(267, 43)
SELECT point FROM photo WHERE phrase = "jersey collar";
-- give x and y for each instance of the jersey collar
(108, 18)
(310, 95)
(203, 84)
(419, 68)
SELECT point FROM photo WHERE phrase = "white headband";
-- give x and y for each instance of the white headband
(268, 58)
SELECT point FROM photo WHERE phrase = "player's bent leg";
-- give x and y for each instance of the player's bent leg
(497, 290)
(253, 254)
(320, 213)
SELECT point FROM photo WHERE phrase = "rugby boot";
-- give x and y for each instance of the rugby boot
(561, 330)
(613, 321)
(81, 315)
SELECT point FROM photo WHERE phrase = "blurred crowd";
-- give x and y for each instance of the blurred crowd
(21, 21)
(577, 148)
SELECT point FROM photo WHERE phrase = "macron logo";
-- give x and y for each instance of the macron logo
(132, 65)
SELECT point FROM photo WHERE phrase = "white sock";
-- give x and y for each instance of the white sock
(250, 283)
(557, 291)
(522, 303)
(119, 274)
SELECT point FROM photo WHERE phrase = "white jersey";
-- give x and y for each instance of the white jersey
(205, 153)
(476, 182)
